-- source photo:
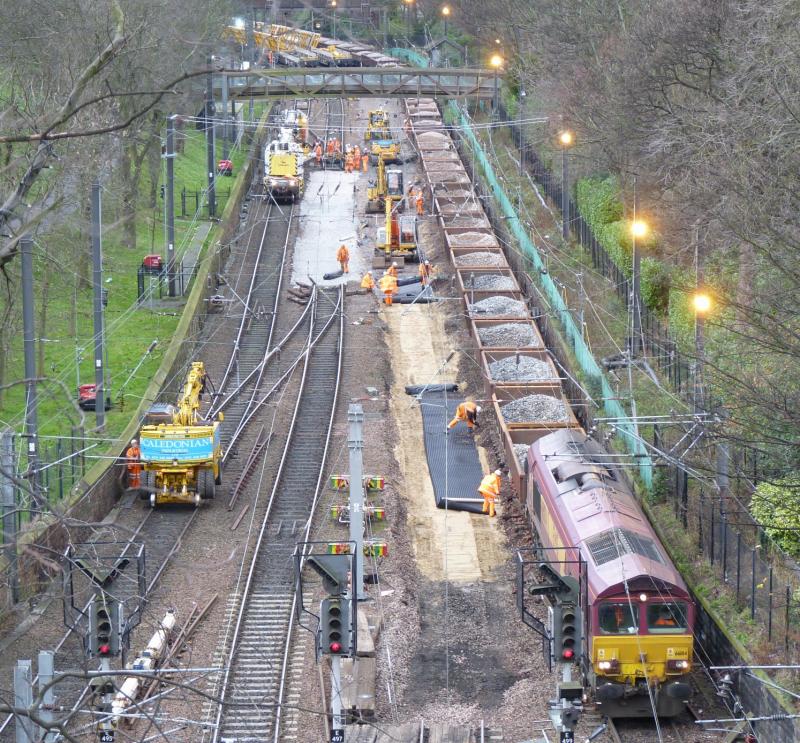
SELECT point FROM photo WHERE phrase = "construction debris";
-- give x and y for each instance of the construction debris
(520, 369)
(508, 335)
(498, 307)
(535, 408)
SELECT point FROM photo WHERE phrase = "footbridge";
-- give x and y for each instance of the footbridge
(360, 82)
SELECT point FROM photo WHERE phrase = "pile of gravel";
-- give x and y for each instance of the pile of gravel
(497, 282)
(521, 453)
(473, 240)
(480, 258)
(498, 307)
(508, 335)
(538, 408)
(528, 370)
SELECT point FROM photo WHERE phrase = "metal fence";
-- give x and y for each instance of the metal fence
(657, 340)
(193, 200)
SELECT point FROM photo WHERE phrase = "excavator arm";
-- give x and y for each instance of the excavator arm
(189, 401)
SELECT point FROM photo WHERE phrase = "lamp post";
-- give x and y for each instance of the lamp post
(566, 139)
(638, 229)
(445, 16)
(408, 5)
(702, 305)
(333, 5)
(496, 62)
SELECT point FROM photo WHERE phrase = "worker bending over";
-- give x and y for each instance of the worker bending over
(134, 455)
(388, 285)
(368, 282)
(343, 256)
(392, 270)
(425, 271)
(466, 411)
(490, 489)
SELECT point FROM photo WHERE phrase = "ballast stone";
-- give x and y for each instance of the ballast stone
(498, 307)
(480, 258)
(491, 282)
(508, 335)
(535, 408)
(527, 370)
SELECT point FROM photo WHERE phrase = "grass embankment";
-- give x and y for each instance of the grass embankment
(130, 328)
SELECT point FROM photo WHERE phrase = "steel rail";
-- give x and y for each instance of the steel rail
(233, 643)
(306, 533)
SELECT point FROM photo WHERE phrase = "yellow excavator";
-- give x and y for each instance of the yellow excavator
(389, 184)
(398, 236)
(180, 453)
(377, 126)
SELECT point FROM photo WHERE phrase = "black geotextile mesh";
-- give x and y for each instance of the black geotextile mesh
(452, 457)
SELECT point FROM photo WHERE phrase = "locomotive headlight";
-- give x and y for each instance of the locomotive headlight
(675, 666)
(608, 666)
(642, 597)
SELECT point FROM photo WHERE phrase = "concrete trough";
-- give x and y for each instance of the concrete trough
(554, 409)
(464, 258)
(484, 279)
(506, 335)
(523, 360)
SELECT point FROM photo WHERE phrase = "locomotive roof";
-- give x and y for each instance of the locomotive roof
(600, 515)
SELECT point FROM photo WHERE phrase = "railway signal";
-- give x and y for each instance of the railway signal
(105, 615)
(334, 625)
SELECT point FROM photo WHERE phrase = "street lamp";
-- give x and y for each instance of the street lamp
(566, 139)
(638, 229)
(702, 306)
(496, 61)
(445, 16)
(333, 5)
(408, 4)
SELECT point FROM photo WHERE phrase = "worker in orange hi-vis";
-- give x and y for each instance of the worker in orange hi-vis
(392, 270)
(348, 162)
(356, 157)
(364, 161)
(343, 256)
(425, 271)
(367, 282)
(388, 285)
(490, 489)
(420, 203)
(318, 153)
(466, 411)
(411, 196)
(134, 464)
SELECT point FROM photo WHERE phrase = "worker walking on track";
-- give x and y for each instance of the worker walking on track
(420, 200)
(348, 162)
(388, 285)
(364, 161)
(490, 489)
(318, 153)
(356, 157)
(343, 256)
(466, 411)
(368, 282)
(134, 457)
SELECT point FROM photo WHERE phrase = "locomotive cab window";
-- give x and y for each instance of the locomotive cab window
(667, 617)
(618, 618)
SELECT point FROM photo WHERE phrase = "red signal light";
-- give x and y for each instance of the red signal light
(104, 650)
(567, 654)
(335, 647)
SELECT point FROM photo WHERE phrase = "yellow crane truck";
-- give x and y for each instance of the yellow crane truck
(182, 458)
(284, 163)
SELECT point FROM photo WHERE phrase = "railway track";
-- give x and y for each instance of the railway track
(257, 651)
(645, 731)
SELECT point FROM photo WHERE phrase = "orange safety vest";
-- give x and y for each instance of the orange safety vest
(490, 487)
(343, 254)
(392, 271)
(388, 283)
(133, 455)
(368, 282)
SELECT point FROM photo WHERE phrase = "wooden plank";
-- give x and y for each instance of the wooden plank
(407, 733)
(365, 644)
(358, 687)
(441, 733)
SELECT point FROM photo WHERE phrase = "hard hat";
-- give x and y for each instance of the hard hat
(478, 408)
(427, 263)
(498, 472)
(134, 442)
(394, 263)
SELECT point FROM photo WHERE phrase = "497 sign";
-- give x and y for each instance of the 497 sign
(337, 735)
(567, 736)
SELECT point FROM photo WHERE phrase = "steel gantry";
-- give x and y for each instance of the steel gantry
(381, 82)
